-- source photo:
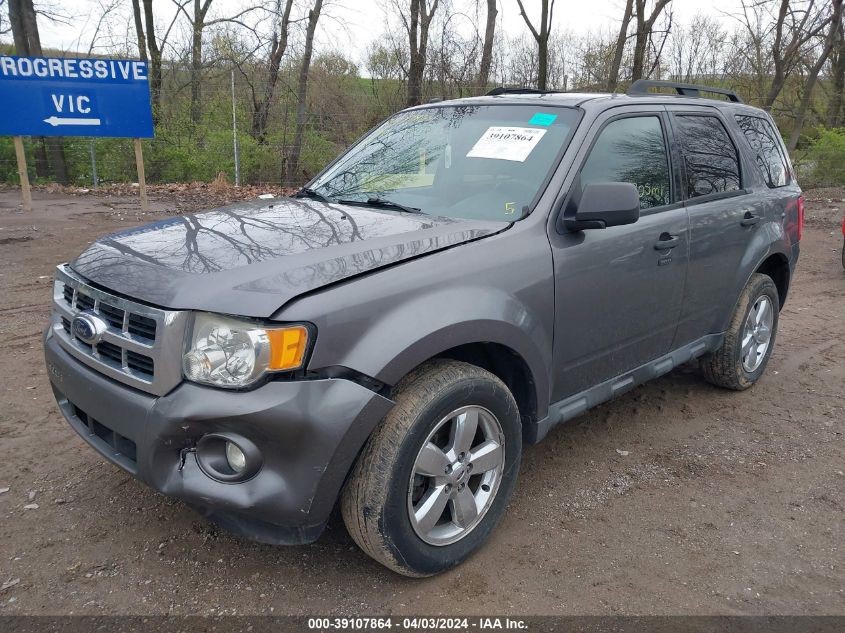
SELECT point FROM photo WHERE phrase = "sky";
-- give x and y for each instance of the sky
(351, 25)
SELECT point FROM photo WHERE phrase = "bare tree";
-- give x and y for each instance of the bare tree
(487, 48)
(696, 50)
(834, 110)
(795, 26)
(619, 50)
(201, 8)
(813, 74)
(541, 36)
(139, 29)
(198, 20)
(278, 46)
(292, 175)
(155, 60)
(417, 24)
(645, 29)
(386, 63)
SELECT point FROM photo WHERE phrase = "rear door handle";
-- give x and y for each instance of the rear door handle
(666, 241)
(749, 219)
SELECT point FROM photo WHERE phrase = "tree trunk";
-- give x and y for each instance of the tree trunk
(139, 30)
(200, 11)
(542, 63)
(543, 46)
(616, 64)
(18, 28)
(645, 27)
(834, 111)
(420, 21)
(813, 76)
(28, 43)
(155, 60)
(541, 37)
(487, 48)
(778, 76)
(415, 69)
(261, 109)
(292, 176)
(639, 56)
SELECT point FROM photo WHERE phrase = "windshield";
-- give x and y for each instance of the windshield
(482, 162)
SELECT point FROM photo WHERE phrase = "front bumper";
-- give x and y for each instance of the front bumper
(309, 433)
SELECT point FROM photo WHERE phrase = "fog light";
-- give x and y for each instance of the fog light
(235, 457)
(228, 457)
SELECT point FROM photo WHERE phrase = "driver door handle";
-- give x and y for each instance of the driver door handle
(666, 241)
(749, 219)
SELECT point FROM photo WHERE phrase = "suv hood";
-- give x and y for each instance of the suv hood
(253, 257)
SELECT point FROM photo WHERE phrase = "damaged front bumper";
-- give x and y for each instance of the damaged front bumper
(308, 432)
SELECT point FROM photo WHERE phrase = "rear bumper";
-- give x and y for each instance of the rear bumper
(308, 432)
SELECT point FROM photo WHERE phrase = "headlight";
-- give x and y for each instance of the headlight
(227, 352)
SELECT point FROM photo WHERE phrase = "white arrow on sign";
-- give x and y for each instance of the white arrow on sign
(55, 120)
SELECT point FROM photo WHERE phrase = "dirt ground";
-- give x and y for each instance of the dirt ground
(678, 498)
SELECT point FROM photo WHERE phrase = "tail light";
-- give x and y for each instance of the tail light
(800, 217)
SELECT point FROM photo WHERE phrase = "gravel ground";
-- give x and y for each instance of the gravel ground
(678, 498)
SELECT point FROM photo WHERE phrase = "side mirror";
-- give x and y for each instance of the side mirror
(603, 204)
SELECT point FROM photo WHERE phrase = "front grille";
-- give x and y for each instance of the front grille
(141, 363)
(136, 324)
(114, 316)
(111, 351)
(142, 326)
(84, 302)
(141, 345)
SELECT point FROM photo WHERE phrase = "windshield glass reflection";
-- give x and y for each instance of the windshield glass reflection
(484, 162)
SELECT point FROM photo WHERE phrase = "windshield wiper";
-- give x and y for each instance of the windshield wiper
(307, 192)
(384, 203)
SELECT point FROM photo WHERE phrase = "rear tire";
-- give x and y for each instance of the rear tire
(408, 466)
(745, 352)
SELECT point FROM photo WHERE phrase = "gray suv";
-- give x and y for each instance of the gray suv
(465, 277)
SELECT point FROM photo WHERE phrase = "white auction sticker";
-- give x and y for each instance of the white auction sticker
(506, 143)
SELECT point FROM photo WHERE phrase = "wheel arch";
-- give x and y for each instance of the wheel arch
(507, 365)
(776, 266)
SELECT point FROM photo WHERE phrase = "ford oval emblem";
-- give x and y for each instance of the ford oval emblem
(88, 327)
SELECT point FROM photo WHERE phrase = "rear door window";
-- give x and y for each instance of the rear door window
(710, 157)
(764, 141)
(632, 150)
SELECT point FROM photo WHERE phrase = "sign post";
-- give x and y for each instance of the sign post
(142, 181)
(26, 193)
(47, 96)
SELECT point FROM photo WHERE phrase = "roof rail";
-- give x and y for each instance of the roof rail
(515, 91)
(641, 86)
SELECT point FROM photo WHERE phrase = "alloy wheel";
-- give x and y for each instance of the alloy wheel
(456, 475)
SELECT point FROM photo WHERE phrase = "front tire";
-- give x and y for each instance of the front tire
(434, 479)
(749, 341)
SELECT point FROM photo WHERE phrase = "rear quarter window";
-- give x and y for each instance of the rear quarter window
(767, 147)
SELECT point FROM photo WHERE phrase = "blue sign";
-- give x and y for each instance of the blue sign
(47, 96)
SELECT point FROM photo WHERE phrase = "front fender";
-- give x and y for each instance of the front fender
(386, 324)
(489, 317)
